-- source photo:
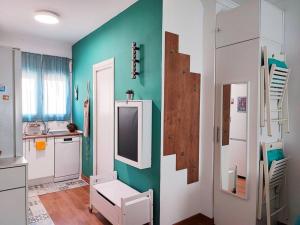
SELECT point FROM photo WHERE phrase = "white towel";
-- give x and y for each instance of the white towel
(86, 124)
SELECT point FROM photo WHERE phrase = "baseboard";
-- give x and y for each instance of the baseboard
(85, 178)
(39, 181)
(196, 219)
(64, 178)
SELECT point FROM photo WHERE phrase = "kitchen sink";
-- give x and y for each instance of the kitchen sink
(58, 132)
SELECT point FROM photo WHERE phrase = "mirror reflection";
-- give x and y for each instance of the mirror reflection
(234, 139)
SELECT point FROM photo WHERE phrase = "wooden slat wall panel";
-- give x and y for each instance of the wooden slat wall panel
(180, 115)
(194, 85)
(171, 47)
(182, 109)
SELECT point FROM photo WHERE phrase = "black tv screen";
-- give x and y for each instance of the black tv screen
(128, 132)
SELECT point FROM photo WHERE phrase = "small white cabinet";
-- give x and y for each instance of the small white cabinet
(13, 191)
(133, 132)
(40, 163)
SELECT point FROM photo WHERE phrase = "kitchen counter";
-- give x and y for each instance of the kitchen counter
(12, 162)
(50, 135)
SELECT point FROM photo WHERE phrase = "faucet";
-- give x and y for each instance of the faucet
(46, 129)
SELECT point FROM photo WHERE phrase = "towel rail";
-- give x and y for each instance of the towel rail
(272, 182)
(275, 81)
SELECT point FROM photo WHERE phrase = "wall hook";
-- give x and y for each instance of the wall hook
(134, 71)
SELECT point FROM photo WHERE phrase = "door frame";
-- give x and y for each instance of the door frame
(109, 63)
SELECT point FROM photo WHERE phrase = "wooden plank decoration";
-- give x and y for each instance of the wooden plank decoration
(171, 47)
(193, 112)
(181, 109)
(181, 97)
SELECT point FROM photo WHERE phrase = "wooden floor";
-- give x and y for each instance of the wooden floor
(197, 220)
(70, 207)
(241, 187)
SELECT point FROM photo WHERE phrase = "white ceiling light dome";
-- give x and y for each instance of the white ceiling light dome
(46, 17)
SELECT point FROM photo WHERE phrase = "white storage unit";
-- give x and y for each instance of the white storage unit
(13, 191)
(133, 132)
(119, 203)
(67, 151)
(10, 103)
(242, 32)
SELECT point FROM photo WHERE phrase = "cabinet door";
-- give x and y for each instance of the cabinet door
(41, 163)
(242, 66)
(239, 24)
(13, 207)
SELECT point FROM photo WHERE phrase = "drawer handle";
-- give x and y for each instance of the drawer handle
(68, 139)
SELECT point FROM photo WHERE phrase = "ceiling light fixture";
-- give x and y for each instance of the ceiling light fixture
(46, 17)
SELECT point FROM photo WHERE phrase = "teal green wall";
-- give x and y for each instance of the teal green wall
(142, 22)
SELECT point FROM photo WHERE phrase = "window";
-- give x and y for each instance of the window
(29, 96)
(45, 87)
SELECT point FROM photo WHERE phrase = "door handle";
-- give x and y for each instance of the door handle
(218, 134)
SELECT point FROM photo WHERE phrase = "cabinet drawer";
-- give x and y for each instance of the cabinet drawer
(13, 207)
(12, 178)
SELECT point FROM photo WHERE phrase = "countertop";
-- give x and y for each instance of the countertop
(51, 135)
(12, 162)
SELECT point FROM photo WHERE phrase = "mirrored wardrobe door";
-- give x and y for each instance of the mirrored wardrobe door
(235, 153)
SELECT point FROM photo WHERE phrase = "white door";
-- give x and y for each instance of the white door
(103, 121)
(241, 67)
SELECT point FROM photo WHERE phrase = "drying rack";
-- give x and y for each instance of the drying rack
(272, 182)
(274, 84)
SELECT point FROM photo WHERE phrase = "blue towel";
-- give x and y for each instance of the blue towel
(275, 154)
(298, 221)
(277, 62)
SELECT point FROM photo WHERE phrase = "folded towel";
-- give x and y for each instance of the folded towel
(275, 154)
(40, 145)
(278, 63)
(298, 221)
(86, 118)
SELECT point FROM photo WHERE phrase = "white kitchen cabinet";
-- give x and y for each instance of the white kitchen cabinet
(40, 163)
(14, 214)
(25, 147)
(13, 191)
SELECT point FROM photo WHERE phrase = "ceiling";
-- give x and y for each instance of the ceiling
(77, 17)
(279, 3)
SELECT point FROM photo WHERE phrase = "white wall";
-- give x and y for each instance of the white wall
(291, 141)
(35, 44)
(195, 24)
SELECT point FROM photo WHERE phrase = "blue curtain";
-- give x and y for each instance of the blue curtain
(46, 87)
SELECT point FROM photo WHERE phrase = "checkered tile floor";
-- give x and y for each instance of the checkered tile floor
(37, 214)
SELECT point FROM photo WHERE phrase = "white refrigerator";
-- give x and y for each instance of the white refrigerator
(10, 103)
